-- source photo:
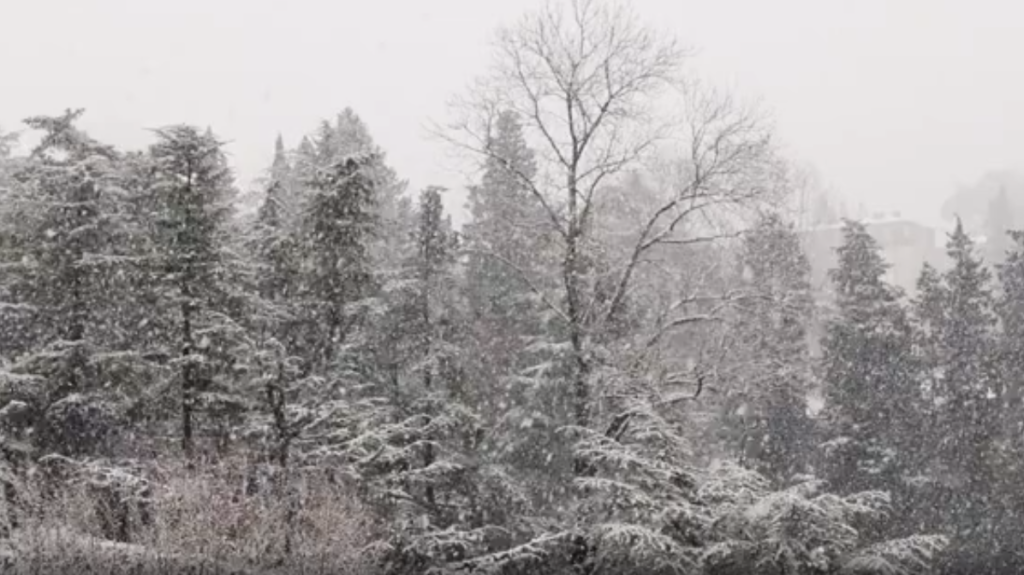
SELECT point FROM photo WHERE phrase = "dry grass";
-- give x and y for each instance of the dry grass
(201, 522)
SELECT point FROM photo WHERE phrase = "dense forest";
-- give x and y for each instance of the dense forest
(606, 370)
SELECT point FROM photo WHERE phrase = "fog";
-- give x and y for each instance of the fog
(893, 103)
(591, 287)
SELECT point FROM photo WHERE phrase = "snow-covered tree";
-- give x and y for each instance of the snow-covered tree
(339, 223)
(957, 323)
(276, 231)
(585, 111)
(190, 193)
(65, 254)
(646, 510)
(348, 136)
(511, 276)
(868, 371)
(597, 91)
(1009, 307)
(505, 246)
(769, 328)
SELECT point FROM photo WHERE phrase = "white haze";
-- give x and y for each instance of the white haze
(894, 103)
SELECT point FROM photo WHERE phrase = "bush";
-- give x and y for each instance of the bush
(202, 518)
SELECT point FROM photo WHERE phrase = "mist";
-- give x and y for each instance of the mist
(894, 105)
(559, 287)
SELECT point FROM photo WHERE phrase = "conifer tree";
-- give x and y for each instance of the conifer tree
(339, 223)
(771, 331)
(511, 276)
(505, 244)
(436, 246)
(348, 136)
(191, 191)
(65, 229)
(867, 369)
(392, 209)
(1009, 308)
(956, 315)
(304, 167)
(273, 316)
(276, 230)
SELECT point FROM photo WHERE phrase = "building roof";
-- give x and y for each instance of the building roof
(867, 222)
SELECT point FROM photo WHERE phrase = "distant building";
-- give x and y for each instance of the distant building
(906, 246)
(974, 203)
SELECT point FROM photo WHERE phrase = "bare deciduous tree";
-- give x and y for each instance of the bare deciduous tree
(594, 89)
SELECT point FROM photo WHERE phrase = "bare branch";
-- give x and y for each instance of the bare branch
(523, 275)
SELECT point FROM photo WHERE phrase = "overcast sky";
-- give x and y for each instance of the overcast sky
(893, 101)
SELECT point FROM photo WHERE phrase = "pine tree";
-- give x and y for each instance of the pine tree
(505, 244)
(64, 253)
(771, 329)
(517, 364)
(431, 322)
(420, 460)
(436, 259)
(328, 149)
(1009, 308)
(392, 209)
(956, 315)
(339, 223)
(191, 190)
(273, 316)
(348, 136)
(304, 165)
(276, 230)
(352, 135)
(867, 369)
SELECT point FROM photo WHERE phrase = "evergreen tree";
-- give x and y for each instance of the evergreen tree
(339, 223)
(443, 497)
(328, 149)
(436, 243)
(393, 210)
(1010, 310)
(64, 253)
(505, 244)
(348, 136)
(191, 190)
(353, 137)
(868, 371)
(273, 316)
(304, 167)
(276, 230)
(957, 318)
(511, 275)
(771, 331)
(432, 325)
(1009, 307)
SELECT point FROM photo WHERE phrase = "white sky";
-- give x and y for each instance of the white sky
(893, 101)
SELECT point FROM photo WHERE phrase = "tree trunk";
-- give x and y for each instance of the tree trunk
(188, 380)
(580, 367)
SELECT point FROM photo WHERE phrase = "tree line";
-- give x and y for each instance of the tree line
(606, 370)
